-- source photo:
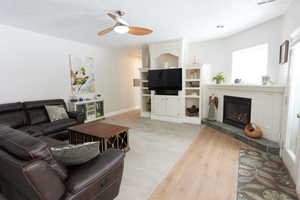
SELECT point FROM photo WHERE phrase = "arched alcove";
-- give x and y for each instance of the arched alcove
(167, 60)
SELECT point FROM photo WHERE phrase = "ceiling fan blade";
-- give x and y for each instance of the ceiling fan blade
(114, 17)
(117, 19)
(105, 31)
(134, 30)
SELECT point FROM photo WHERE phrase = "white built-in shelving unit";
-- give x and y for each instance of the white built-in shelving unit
(194, 80)
(145, 93)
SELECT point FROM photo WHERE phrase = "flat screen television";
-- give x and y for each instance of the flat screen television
(165, 79)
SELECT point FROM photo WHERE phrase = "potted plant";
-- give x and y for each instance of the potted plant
(219, 78)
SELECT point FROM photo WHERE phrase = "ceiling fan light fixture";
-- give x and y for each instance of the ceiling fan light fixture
(121, 29)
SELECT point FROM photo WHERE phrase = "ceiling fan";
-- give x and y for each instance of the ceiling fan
(122, 26)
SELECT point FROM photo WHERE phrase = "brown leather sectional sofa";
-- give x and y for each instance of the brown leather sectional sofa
(31, 117)
(28, 170)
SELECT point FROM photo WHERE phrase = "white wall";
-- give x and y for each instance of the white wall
(218, 53)
(290, 24)
(35, 66)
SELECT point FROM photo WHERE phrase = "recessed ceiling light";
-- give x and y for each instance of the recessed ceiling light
(265, 2)
(220, 26)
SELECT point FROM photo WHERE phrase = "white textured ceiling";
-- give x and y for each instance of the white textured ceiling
(80, 20)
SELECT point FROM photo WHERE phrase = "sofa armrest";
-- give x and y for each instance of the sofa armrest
(78, 116)
(44, 180)
(97, 173)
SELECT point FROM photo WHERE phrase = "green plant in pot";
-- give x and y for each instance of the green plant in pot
(219, 78)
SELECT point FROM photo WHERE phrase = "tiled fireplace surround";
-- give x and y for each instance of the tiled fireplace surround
(266, 111)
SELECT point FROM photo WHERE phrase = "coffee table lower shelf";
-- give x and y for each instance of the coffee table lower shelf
(119, 141)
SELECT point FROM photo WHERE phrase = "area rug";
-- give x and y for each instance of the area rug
(155, 146)
(263, 176)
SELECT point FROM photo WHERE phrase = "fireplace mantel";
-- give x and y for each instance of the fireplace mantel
(254, 88)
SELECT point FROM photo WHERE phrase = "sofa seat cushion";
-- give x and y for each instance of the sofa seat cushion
(52, 127)
(32, 130)
(102, 171)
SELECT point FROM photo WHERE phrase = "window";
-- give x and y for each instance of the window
(250, 64)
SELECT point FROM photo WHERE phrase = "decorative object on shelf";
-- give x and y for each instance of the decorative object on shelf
(238, 81)
(194, 93)
(196, 61)
(82, 72)
(193, 73)
(166, 65)
(148, 106)
(192, 111)
(213, 104)
(253, 130)
(284, 52)
(219, 78)
(266, 80)
(136, 82)
(73, 98)
(97, 96)
(192, 84)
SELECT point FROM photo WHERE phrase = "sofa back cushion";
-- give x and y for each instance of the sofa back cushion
(13, 115)
(27, 148)
(36, 110)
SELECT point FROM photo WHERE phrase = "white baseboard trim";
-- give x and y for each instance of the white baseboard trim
(166, 118)
(121, 111)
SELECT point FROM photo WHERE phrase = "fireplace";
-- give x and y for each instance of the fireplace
(237, 111)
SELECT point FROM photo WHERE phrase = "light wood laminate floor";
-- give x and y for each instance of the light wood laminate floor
(207, 171)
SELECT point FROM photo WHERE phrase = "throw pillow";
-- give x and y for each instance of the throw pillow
(71, 155)
(56, 112)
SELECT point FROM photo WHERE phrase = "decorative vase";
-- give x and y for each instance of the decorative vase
(213, 107)
(266, 80)
(253, 130)
(148, 106)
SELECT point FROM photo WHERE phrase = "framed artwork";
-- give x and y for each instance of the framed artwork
(82, 71)
(284, 52)
(136, 82)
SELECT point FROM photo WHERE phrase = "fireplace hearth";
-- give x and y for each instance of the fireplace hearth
(237, 111)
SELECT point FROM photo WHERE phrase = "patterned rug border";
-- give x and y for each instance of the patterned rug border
(263, 176)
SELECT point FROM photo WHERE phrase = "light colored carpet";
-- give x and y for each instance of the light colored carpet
(155, 148)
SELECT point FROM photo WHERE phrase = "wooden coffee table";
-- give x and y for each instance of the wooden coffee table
(109, 135)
